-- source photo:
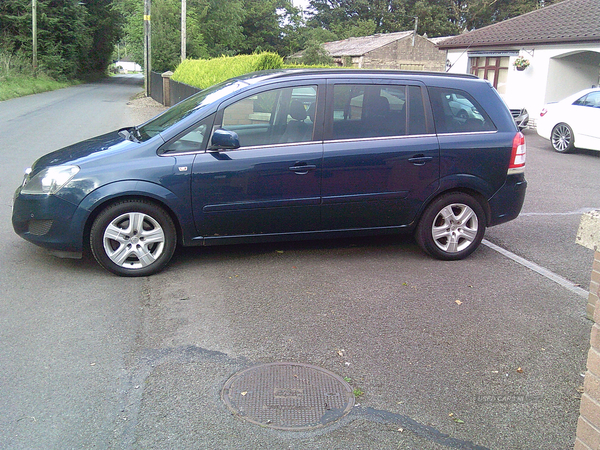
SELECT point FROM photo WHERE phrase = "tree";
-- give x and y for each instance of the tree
(387, 15)
(74, 39)
(166, 35)
(104, 24)
(315, 54)
(222, 26)
(269, 25)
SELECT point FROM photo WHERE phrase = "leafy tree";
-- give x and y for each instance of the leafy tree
(104, 25)
(74, 39)
(437, 17)
(387, 15)
(269, 25)
(222, 26)
(358, 28)
(63, 40)
(166, 35)
(315, 54)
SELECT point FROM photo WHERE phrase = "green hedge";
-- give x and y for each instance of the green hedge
(203, 73)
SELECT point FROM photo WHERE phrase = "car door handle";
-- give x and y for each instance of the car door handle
(302, 168)
(420, 160)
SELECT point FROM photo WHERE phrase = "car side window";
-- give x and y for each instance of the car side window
(277, 116)
(456, 111)
(592, 100)
(364, 111)
(192, 140)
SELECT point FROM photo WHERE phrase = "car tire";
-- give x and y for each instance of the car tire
(133, 238)
(452, 227)
(562, 138)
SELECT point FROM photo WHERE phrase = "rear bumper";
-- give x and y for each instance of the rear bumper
(507, 202)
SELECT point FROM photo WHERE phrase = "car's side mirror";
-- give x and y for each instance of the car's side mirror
(224, 140)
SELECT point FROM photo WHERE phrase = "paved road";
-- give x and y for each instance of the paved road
(64, 334)
(89, 360)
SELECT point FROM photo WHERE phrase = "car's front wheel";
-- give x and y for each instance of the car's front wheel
(562, 138)
(451, 227)
(133, 238)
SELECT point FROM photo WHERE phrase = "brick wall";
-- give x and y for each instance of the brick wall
(594, 287)
(588, 425)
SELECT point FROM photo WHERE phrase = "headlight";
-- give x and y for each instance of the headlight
(50, 180)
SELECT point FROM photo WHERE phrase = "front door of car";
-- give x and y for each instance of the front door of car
(586, 112)
(270, 184)
(381, 156)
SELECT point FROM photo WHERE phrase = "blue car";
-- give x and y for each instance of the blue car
(282, 155)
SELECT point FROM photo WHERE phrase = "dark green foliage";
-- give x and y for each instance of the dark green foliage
(436, 17)
(315, 54)
(74, 39)
(268, 25)
(77, 38)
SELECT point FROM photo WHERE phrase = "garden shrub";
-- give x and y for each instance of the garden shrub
(203, 73)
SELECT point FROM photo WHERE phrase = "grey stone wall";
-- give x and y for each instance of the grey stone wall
(401, 54)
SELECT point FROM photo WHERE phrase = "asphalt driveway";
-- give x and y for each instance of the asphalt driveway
(482, 353)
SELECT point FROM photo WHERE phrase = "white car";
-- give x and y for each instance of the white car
(572, 122)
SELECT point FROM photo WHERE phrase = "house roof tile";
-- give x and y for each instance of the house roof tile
(567, 21)
(357, 46)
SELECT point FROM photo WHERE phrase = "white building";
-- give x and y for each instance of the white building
(561, 43)
(127, 66)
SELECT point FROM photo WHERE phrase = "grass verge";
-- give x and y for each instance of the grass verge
(18, 86)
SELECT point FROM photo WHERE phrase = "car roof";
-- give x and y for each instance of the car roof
(256, 77)
(571, 98)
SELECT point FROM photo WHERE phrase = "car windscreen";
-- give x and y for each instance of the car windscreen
(186, 107)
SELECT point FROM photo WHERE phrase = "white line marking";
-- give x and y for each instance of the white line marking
(568, 213)
(539, 269)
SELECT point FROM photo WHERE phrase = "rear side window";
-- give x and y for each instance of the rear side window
(456, 111)
(366, 111)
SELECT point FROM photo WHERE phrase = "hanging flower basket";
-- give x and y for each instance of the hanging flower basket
(521, 63)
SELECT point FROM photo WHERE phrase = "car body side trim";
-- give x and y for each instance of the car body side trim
(381, 138)
(364, 197)
(261, 204)
(299, 235)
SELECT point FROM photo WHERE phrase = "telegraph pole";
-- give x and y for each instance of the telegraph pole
(183, 29)
(34, 28)
(415, 32)
(147, 47)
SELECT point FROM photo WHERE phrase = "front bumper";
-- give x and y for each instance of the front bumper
(521, 118)
(47, 221)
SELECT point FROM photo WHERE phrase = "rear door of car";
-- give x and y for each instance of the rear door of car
(271, 184)
(381, 155)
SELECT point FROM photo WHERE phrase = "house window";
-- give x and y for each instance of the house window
(492, 68)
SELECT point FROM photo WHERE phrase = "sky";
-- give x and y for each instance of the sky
(300, 3)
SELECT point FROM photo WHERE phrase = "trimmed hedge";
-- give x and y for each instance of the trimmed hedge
(203, 73)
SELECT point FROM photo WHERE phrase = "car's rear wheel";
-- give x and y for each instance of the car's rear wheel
(133, 238)
(451, 227)
(562, 138)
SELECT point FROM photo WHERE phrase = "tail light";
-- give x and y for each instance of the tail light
(519, 154)
(543, 112)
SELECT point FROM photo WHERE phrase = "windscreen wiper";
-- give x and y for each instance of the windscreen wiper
(130, 134)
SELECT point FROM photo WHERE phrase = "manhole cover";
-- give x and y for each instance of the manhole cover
(288, 396)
